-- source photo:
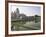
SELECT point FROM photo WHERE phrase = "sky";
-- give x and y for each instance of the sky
(27, 10)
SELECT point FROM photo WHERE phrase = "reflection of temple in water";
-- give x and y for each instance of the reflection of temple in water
(23, 22)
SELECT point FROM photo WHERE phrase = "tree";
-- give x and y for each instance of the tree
(36, 15)
(36, 18)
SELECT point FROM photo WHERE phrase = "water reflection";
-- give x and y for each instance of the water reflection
(25, 25)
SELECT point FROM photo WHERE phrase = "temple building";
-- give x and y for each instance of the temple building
(17, 15)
